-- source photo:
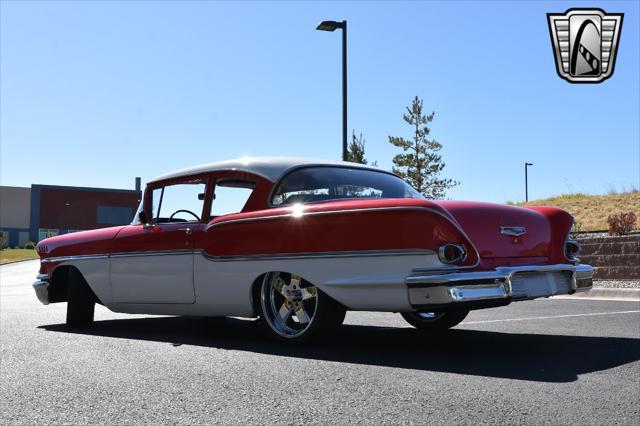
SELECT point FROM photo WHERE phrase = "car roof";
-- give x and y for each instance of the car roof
(270, 168)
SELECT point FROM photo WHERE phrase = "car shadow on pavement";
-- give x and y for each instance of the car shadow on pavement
(534, 357)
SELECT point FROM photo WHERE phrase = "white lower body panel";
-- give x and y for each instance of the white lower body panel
(223, 287)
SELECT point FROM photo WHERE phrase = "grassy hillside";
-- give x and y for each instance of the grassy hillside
(591, 211)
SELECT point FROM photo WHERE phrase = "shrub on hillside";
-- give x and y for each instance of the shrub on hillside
(621, 223)
(30, 245)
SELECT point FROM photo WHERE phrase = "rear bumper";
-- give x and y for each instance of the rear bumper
(478, 289)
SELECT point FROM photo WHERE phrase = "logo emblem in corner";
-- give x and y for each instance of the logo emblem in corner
(513, 231)
(585, 43)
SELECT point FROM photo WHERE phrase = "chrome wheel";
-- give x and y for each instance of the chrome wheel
(433, 321)
(429, 316)
(289, 303)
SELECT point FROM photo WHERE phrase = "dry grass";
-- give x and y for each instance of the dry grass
(591, 211)
(12, 255)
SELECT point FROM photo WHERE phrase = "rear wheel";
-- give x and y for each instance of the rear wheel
(81, 300)
(434, 321)
(294, 310)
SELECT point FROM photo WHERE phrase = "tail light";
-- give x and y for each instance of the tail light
(571, 250)
(451, 253)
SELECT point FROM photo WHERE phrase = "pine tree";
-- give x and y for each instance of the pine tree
(420, 164)
(355, 151)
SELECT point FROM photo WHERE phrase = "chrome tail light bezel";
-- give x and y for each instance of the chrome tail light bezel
(445, 251)
(572, 250)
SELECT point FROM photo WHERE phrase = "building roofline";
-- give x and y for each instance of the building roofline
(85, 188)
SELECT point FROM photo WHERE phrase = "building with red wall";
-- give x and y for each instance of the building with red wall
(55, 210)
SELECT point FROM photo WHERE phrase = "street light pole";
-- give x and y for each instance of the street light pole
(332, 26)
(526, 182)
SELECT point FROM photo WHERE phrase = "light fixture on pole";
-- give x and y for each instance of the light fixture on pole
(526, 182)
(332, 26)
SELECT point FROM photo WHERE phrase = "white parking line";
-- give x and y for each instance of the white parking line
(552, 317)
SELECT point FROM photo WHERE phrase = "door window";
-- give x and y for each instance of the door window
(178, 203)
(230, 196)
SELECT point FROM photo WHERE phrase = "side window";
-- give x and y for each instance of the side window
(178, 203)
(230, 196)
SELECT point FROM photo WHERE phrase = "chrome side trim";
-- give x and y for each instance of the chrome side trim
(151, 253)
(374, 209)
(79, 257)
(322, 255)
(122, 254)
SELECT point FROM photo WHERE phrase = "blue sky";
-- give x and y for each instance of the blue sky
(93, 93)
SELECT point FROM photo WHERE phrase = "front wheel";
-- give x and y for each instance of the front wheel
(435, 321)
(81, 301)
(294, 310)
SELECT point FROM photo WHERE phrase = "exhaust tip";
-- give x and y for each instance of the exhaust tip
(451, 253)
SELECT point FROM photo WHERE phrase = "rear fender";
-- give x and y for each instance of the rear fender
(561, 223)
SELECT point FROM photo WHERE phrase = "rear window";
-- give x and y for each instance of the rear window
(318, 184)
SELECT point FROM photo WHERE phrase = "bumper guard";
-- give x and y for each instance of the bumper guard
(432, 290)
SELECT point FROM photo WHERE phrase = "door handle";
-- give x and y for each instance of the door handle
(187, 231)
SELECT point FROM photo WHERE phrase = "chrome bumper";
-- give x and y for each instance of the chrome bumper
(497, 287)
(42, 288)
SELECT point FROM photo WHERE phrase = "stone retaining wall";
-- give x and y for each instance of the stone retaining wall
(612, 257)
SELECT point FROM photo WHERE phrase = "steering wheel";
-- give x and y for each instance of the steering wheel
(184, 211)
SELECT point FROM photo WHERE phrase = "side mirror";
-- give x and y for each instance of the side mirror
(144, 220)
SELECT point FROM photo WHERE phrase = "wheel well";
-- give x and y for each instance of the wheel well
(59, 284)
(255, 293)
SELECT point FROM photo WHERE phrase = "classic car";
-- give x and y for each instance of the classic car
(298, 242)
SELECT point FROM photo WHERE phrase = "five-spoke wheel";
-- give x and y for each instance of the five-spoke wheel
(433, 321)
(293, 308)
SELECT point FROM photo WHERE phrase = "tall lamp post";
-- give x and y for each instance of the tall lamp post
(526, 182)
(332, 26)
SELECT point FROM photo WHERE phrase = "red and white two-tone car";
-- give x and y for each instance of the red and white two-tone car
(299, 242)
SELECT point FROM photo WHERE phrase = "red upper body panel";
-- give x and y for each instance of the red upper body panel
(346, 225)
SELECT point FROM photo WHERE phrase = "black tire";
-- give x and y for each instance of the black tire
(81, 301)
(324, 313)
(435, 321)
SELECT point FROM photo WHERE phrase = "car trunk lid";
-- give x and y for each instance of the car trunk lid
(499, 231)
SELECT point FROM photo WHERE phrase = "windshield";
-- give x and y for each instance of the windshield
(317, 184)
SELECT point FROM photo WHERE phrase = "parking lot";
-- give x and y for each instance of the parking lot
(549, 361)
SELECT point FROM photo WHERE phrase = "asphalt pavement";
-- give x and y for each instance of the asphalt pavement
(556, 361)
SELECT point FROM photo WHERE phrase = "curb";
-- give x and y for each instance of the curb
(597, 293)
(18, 261)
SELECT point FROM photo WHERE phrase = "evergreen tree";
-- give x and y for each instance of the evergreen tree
(355, 151)
(420, 164)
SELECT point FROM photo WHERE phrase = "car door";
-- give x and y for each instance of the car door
(152, 262)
